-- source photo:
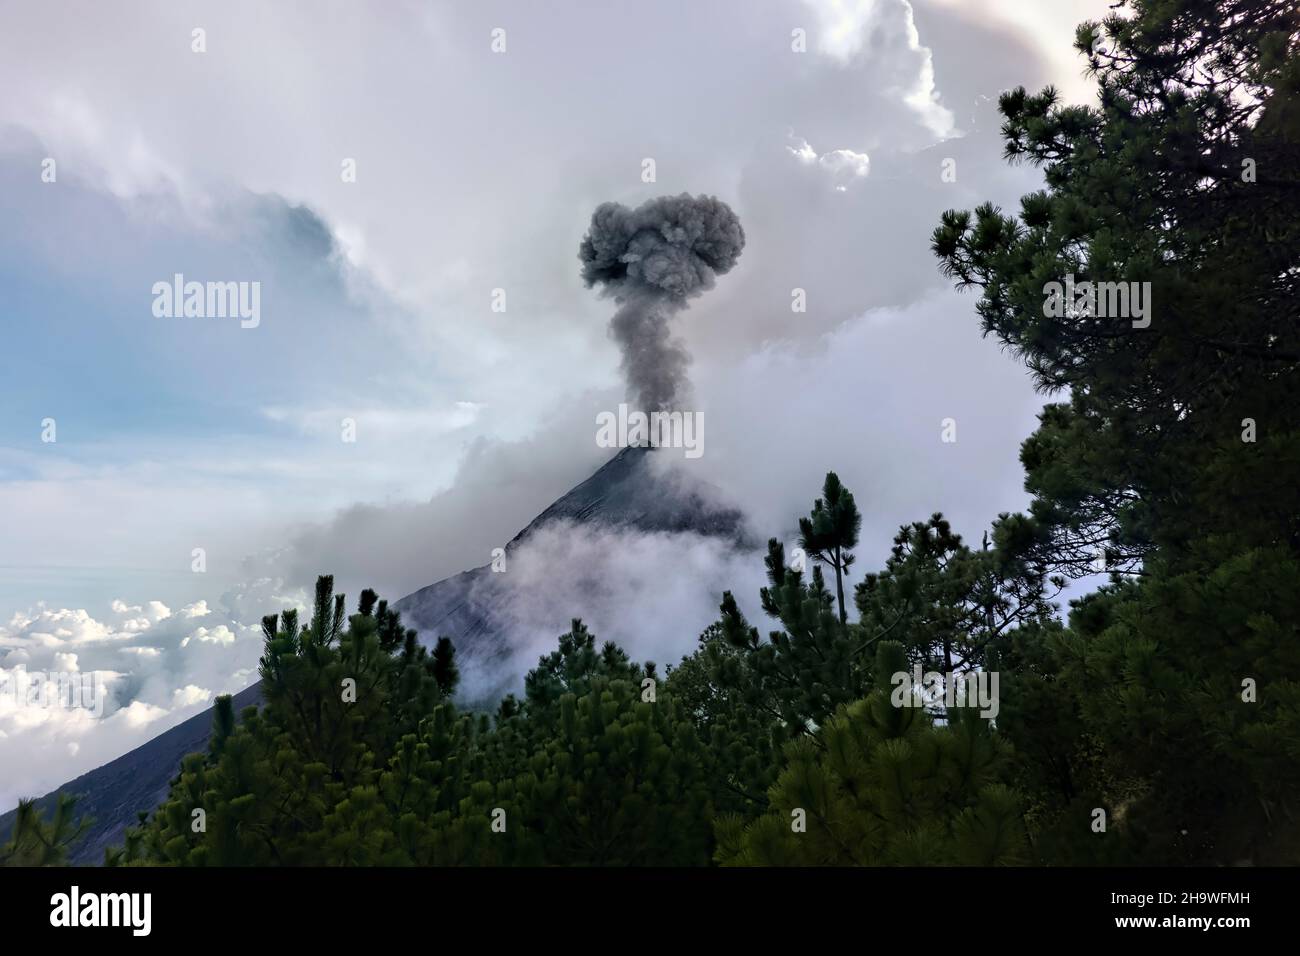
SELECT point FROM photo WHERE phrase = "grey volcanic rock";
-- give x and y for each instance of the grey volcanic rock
(624, 493)
(627, 492)
(477, 609)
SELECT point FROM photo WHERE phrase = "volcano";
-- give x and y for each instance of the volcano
(483, 611)
(488, 614)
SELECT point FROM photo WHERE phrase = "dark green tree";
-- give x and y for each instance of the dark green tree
(949, 607)
(1172, 700)
(956, 603)
(1186, 176)
(349, 703)
(358, 757)
(36, 841)
(830, 531)
(607, 765)
(883, 785)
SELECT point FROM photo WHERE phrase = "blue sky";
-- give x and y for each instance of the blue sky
(83, 346)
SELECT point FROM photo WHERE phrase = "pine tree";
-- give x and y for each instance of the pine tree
(609, 768)
(883, 785)
(950, 609)
(36, 841)
(1185, 177)
(359, 758)
(830, 531)
(1173, 699)
(948, 604)
(349, 702)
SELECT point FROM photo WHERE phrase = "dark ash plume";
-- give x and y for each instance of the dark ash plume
(653, 260)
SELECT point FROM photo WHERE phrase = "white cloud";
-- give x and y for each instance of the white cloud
(137, 714)
(385, 421)
(850, 30)
(1048, 28)
(147, 688)
(217, 635)
(650, 593)
(844, 25)
(842, 165)
(49, 628)
(190, 694)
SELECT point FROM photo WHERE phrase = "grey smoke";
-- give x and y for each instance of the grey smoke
(653, 260)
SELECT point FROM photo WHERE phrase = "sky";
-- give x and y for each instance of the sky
(387, 175)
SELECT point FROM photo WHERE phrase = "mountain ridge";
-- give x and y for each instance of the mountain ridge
(628, 492)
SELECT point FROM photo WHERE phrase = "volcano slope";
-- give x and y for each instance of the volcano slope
(483, 612)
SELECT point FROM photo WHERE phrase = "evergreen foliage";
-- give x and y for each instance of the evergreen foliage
(884, 785)
(591, 768)
(39, 842)
(1172, 697)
